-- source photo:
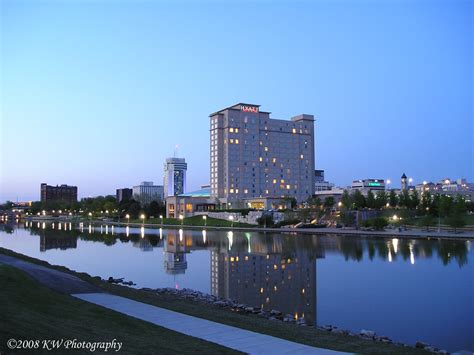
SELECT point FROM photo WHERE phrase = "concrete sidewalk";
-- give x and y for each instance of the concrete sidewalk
(225, 335)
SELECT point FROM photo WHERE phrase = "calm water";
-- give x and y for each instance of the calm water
(408, 290)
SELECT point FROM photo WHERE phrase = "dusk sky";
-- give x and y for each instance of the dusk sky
(98, 93)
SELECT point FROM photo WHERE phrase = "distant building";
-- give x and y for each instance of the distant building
(175, 176)
(334, 192)
(57, 193)
(404, 182)
(366, 185)
(124, 194)
(319, 183)
(255, 156)
(448, 187)
(146, 192)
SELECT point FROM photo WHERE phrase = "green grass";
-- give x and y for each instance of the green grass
(32, 311)
(305, 335)
(194, 221)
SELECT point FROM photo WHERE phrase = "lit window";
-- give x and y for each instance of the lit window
(266, 192)
(231, 130)
(274, 181)
(282, 181)
(231, 191)
(288, 187)
(231, 141)
(301, 156)
(246, 191)
(294, 130)
(274, 160)
(236, 141)
(236, 191)
(236, 130)
(260, 159)
(266, 149)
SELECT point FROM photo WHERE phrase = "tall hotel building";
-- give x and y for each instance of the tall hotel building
(254, 156)
(175, 176)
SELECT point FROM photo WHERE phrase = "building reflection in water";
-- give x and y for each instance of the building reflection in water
(57, 241)
(174, 251)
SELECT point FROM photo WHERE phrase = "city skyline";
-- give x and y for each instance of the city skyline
(383, 103)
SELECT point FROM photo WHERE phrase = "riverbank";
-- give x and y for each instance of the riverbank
(32, 314)
(244, 320)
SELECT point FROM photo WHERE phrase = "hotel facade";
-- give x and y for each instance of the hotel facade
(255, 156)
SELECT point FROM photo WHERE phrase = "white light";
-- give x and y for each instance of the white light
(204, 236)
(395, 244)
(180, 235)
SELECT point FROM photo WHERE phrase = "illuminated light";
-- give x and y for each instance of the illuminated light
(293, 130)
(274, 160)
(283, 267)
(236, 258)
(301, 156)
(288, 187)
(246, 257)
(180, 235)
(412, 255)
(424, 182)
(260, 159)
(274, 181)
(296, 316)
(232, 259)
(389, 256)
(236, 141)
(127, 231)
(231, 191)
(261, 289)
(142, 231)
(266, 149)
(446, 181)
(267, 300)
(231, 130)
(375, 183)
(252, 109)
(106, 229)
(230, 238)
(275, 267)
(268, 256)
(52, 225)
(90, 229)
(43, 225)
(275, 288)
(246, 191)
(302, 291)
(112, 230)
(288, 260)
(395, 244)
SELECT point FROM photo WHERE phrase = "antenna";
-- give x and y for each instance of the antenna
(176, 150)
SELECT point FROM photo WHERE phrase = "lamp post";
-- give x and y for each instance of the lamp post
(205, 220)
(388, 184)
(161, 218)
(142, 217)
(127, 216)
(231, 218)
(181, 217)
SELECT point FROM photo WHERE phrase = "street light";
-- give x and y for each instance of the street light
(231, 218)
(410, 180)
(339, 204)
(142, 217)
(388, 183)
(181, 217)
(127, 216)
(205, 220)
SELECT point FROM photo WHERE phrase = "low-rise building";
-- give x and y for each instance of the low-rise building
(448, 187)
(147, 192)
(56, 193)
(366, 185)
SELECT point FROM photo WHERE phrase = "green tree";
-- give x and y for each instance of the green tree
(347, 218)
(381, 199)
(346, 200)
(329, 202)
(370, 199)
(426, 221)
(457, 217)
(379, 223)
(445, 205)
(404, 199)
(359, 200)
(414, 200)
(393, 199)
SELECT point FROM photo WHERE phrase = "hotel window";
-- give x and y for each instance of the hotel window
(294, 130)
(246, 191)
(231, 191)
(236, 130)
(301, 156)
(288, 187)
(231, 130)
(236, 141)
(266, 149)
(260, 159)
(274, 181)
(231, 141)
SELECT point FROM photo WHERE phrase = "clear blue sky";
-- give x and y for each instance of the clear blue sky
(98, 93)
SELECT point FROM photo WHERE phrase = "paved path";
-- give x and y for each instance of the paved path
(228, 336)
(231, 337)
(57, 280)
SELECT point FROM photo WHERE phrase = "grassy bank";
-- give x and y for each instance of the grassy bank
(32, 311)
(193, 221)
(305, 335)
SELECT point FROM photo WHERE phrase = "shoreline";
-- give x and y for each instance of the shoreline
(408, 234)
(228, 312)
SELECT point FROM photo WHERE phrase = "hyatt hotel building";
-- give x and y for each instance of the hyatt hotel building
(254, 156)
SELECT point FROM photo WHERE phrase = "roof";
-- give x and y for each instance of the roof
(237, 108)
(197, 193)
(404, 176)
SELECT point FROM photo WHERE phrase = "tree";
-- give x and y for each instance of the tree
(445, 205)
(393, 199)
(426, 221)
(381, 199)
(457, 217)
(415, 200)
(404, 199)
(154, 209)
(329, 202)
(359, 200)
(379, 223)
(370, 199)
(346, 200)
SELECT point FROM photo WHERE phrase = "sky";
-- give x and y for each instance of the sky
(98, 93)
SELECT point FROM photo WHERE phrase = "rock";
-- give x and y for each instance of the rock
(220, 303)
(431, 348)
(275, 312)
(443, 352)
(367, 333)
(248, 309)
(420, 345)
(340, 331)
